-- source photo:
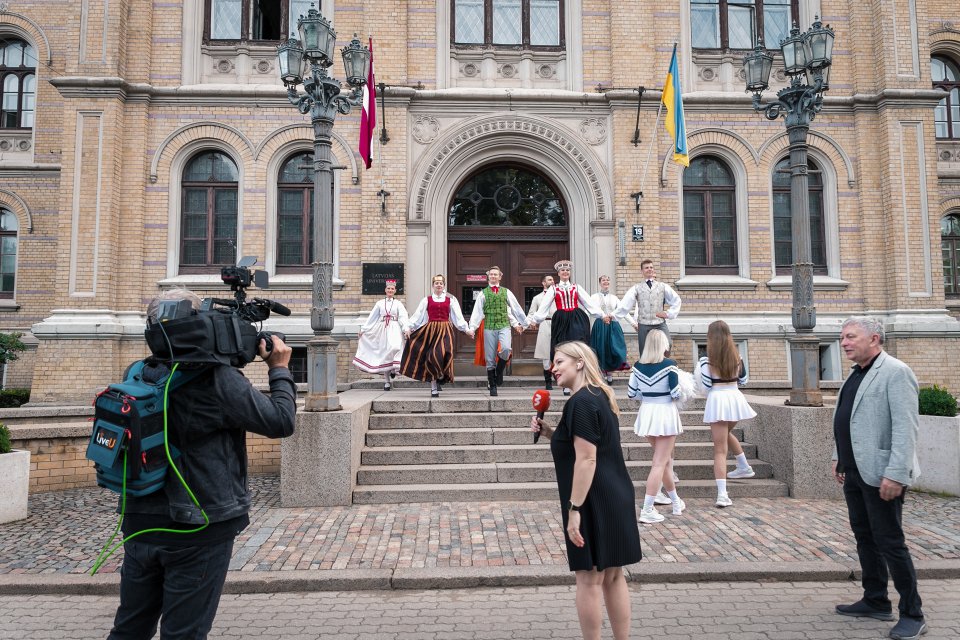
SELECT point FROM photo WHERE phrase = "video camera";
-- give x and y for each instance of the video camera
(223, 331)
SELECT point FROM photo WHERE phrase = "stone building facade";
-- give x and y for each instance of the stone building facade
(143, 143)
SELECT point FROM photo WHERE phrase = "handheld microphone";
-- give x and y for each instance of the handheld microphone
(541, 403)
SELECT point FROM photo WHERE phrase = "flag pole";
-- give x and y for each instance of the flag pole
(650, 147)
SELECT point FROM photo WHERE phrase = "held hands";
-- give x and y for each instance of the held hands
(607, 319)
(406, 334)
(518, 329)
(279, 356)
(532, 325)
(573, 528)
(471, 333)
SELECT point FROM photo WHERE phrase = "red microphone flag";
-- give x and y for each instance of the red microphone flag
(541, 404)
(368, 114)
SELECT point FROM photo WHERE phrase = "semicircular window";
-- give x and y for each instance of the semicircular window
(507, 196)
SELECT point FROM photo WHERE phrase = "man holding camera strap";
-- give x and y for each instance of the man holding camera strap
(173, 572)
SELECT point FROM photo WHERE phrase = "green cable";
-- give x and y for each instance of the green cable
(104, 555)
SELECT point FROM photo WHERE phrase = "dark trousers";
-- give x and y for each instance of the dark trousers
(644, 329)
(877, 527)
(179, 586)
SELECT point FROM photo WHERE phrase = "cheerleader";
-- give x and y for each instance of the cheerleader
(721, 373)
(381, 337)
(428, 354)
(654, 378)
(542, 349)
(569, 322)
(606, 338)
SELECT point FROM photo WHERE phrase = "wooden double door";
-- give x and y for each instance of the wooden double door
(524, 263)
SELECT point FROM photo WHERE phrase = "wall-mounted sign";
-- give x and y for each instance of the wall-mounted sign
(477, 278)
(376, 274)
(638, 233)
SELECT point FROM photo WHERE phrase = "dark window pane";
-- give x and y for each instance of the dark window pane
(194, 252)
(506, 196)
(195, 201)
(298, 169)
(225, 201)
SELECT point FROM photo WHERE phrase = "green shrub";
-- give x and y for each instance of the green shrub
(937, 401)
(5, 446)
(12, 398)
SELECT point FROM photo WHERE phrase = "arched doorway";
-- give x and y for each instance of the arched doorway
(510, 215)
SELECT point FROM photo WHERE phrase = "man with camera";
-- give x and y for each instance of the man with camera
(175, 564)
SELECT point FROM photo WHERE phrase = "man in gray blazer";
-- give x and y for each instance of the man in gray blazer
(875, 428)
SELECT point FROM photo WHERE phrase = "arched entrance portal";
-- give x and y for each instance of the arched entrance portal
(510, 215)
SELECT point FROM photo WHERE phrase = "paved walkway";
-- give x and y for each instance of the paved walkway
(726, 611)
(471, 544)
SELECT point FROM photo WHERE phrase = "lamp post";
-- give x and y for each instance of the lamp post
(806, 58)
(306, 61)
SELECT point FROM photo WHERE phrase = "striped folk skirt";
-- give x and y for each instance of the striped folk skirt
(428, 354)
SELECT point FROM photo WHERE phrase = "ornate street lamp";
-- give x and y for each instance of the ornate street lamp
(807, 58)
(307, 63)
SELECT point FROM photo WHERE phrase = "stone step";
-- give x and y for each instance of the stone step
(486, 435)
(380, 421)
(508, 472)
(545, 491)
(496, 453)
(481, 403)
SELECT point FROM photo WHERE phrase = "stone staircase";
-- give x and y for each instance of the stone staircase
(467, 446)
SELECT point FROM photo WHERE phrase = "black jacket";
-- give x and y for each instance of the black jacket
(207, 421)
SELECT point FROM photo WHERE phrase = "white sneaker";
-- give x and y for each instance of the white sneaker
(723, 500)
(650, 516)
(662, 498)
(679, 506)
(742, 473)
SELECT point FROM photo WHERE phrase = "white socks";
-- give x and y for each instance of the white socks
(673, 495)
(742, 461)
(722, 487)
(433, 385)
(648, 501)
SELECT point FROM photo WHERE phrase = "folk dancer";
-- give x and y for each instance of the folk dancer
(645, 300)
(542, 349)
(607, 338)
(380, 341)
(497, 308)
(428, 353)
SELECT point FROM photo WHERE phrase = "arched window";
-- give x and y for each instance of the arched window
(946, 76)
(295, 214)
(8, 252)
(709, 217)
(507, 196)
(18, 83)
(783, 220)
(208, 226)
(949, 245)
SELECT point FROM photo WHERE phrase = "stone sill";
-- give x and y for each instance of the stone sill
(9, 304)
(820, 283)
(715, 283)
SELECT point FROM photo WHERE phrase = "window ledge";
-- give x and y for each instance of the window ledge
(290, 281)
(8, 304)
(820, 283)
(716, 283)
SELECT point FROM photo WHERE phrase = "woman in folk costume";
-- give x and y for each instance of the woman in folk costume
(428, 354)
(542, 349)
(381, 337)
(607, 339)
(569, 321)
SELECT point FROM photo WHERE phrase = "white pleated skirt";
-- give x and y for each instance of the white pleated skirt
(727, 404)
(657, 419)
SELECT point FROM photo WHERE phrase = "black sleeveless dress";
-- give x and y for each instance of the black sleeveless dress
(608, 517)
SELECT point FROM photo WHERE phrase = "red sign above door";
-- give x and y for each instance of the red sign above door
(476, 278)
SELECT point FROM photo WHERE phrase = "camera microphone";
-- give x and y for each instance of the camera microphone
(276, 307)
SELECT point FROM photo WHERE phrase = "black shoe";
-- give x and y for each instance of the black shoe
(501, 365)
(393, 374)
(908, 629)
(492, 381)
(548, 380)
(861, 609)
(386, 387)
(439, 387)
(434, 393)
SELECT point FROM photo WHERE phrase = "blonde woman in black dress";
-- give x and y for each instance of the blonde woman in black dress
(598, 501)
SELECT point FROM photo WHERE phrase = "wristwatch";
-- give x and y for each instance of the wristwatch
(573, 507)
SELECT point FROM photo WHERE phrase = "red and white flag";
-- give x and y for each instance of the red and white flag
(368, 115)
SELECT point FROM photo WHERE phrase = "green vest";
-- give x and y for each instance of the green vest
(495, 309)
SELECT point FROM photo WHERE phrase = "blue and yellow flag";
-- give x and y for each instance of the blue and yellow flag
(673, 100)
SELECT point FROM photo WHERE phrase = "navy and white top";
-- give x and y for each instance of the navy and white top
(656, 382)
(707, 379)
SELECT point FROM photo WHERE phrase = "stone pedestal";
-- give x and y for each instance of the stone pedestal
(798, 442)
(14, 485)
(938, 449)
(319, 462)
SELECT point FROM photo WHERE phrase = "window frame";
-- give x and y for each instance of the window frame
(306, 211)
(21, 73)
(953, 127)
(15, 234)
(246, 23)
(954, 245)
(211, 189)
(524, 29)
(813, 167)
(724, 25)
(708, 190)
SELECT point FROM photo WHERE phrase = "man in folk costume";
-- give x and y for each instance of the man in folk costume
(499, 310)
(542, 350)
(381, 337)
(648, 298)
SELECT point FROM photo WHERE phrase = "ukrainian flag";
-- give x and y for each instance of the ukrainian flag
(673, 100)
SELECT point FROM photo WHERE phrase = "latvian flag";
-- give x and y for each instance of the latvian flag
(368, 117)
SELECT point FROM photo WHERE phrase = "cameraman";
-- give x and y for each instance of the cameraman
(177, 578)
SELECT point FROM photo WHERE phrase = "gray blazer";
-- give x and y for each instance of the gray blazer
(884, 423)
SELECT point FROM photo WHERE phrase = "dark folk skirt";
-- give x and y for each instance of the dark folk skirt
(428, 354)
(567, 326)
(610, 346)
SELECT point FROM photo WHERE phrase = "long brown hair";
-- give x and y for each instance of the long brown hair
(591, 368)
(721, 351)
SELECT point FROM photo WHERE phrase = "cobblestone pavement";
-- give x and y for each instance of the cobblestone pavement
(719, 611)
(66, 530)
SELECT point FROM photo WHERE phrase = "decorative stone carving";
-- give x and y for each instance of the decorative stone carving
(780, 75)
(593, 131)
(707, 74)
(547, 71)
(224, 66)
(741, 74)
(469, 70)
(16, 142)
(425, 129)
(263, 66)
(507, 70)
